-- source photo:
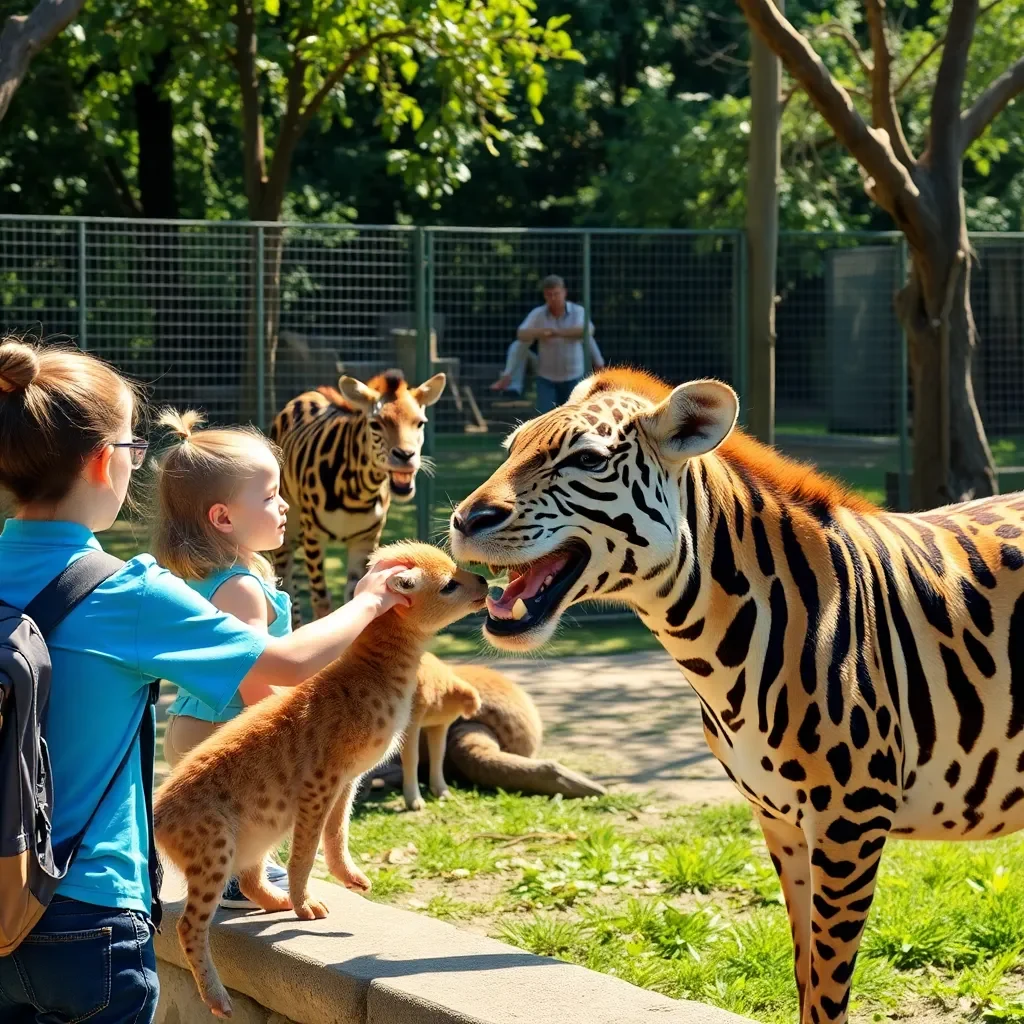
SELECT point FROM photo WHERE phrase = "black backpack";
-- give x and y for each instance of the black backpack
(30, 867)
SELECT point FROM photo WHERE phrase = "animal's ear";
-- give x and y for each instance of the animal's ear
(357, 394)
(430, 390)
(694, 420)
(408, 581)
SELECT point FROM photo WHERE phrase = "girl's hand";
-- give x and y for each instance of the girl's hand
(373, 588)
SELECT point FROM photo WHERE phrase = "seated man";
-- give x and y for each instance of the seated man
(557, 327)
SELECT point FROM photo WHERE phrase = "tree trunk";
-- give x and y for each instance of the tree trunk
(163, 279)
(762, 236)
(952, 459)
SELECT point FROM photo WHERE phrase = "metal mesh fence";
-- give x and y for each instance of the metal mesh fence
(195, 309)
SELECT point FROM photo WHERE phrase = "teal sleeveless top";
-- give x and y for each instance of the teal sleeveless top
(280, 605)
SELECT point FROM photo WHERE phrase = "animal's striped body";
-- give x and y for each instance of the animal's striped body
(347, 454)
(861, 673)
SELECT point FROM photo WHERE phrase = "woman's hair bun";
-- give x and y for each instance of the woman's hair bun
(19, 366)
(182, 424)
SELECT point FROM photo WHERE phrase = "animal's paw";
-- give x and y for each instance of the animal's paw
(441, 792)
(311, 910)
(356, 880)
(415, 803)
(218, 1002)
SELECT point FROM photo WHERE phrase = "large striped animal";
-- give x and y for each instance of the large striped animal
(347, 454)
(861, 673)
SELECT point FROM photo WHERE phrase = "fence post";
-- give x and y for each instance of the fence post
(83, 327)
(904, 488)
(424, 325)
(588, 363)
(261, 334)
(739, 240)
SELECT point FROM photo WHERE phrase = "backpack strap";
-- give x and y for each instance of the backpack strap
(70, 588)
(48, 609)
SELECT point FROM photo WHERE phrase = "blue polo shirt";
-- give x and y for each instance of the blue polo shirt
(142, 624)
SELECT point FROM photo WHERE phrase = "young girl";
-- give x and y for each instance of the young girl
(67, 451)
(219, 506)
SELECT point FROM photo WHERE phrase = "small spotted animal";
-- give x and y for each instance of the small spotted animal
(347, 454)
(860, 673)
(441, 698)
(292, 764)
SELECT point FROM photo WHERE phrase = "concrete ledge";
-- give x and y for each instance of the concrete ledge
(372, 964)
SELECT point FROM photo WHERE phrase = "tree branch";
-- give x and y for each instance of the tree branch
(833, 28)
(24, 36)
(933, 49)
(945, 147)
(975, 120)
(332, 80)
(892, 186)
(883, 104)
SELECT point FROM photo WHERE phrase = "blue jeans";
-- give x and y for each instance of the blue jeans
(81, 962)
(553, 393)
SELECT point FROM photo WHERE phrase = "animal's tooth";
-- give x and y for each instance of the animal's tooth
(547, 581)
(519, 609)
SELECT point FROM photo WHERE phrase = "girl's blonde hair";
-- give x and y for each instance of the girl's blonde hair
(203, 468)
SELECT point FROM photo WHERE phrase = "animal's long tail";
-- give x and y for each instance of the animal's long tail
(474, 752)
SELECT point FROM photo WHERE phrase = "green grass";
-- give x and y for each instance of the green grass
(685, 902)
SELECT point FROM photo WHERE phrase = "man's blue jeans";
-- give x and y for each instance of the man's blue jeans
(553, 393)
(81, 962)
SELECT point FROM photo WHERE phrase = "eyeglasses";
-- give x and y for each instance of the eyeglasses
(137, 449)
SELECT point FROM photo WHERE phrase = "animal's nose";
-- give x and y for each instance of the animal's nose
(402, 454)
(479, 518)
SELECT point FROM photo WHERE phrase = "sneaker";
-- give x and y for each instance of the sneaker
(234, 899)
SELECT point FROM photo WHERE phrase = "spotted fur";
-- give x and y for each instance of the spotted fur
(860, 673)
(347, 453)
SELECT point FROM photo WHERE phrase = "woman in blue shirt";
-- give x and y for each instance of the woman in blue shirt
(67, 452)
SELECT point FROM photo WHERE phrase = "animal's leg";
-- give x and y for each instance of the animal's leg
(411, 767)
(206, 871)
(256, 887)
(309, 823)
(360, 548)
(313, 546)
(336, 851)
(844, 861)
(789, 854)
(437, 736)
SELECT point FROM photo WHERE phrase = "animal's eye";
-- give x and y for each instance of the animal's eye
(374, 425)
(450, 587)
(587, 459)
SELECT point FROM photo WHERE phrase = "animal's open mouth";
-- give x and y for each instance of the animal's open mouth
(401, 482)
(534, 591)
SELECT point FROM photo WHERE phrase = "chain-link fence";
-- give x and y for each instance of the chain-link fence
(238, 318)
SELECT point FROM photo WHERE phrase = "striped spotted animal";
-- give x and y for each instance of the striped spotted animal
(347, 454)
(861, 673)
